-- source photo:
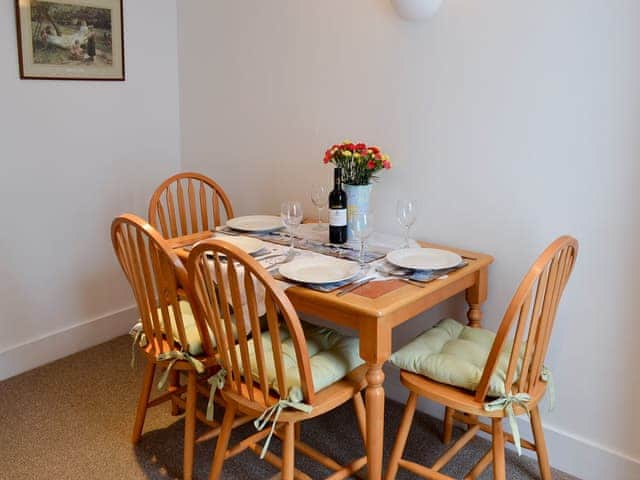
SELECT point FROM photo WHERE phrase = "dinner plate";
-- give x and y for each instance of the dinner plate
(423, 258)
(248, 244)
(255, 223)
(319, 270)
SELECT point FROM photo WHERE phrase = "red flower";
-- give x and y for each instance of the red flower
(386, 164)
(348, 146)
(371, 164)
(361, 147)
(327, 157)
(378, 156)
(374, 149)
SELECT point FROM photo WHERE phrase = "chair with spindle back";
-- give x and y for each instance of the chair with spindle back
(476, 373)
(188, 203)
(283, 374)
(171, 336)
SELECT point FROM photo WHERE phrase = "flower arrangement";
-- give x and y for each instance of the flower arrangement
(358, 161)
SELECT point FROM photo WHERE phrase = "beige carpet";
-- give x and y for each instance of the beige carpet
(72, 420)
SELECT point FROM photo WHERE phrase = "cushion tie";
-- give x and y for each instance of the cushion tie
(506, 403)
(139, 339)
(547, 376)
(272, 414)
(174, 356)
(217, 383)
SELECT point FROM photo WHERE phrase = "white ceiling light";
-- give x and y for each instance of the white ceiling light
(416, 9)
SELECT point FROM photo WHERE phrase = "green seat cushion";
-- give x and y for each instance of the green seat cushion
(190, 328)
(454, 354)
(331, 357)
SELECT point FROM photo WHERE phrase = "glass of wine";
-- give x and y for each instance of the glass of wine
(291, 215)
(406, 215)
(320, 198)
(362, 226)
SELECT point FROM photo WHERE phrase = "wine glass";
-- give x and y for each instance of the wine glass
(406, 215)
(291, 215)
(320, 198)
(362, 227)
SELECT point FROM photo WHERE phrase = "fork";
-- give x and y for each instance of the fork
(291, 254)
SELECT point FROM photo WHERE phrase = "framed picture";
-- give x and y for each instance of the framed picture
(70, 39)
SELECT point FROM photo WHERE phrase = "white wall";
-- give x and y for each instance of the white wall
(511, 122)
(73, 155)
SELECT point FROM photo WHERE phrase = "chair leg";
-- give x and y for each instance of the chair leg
(447, 431)
(361, 415)
(403, 434)
(190, 424)
(288, 452)
(541, 446)
(141, 410)
(298, 430)
(223, 441)
(499, 468)
(174, 384)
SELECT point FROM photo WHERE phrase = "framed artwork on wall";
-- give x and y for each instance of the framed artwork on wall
(70, 39)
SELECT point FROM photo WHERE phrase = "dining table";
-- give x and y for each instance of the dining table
(373, 311)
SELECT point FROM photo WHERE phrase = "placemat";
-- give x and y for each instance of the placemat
(379, 288)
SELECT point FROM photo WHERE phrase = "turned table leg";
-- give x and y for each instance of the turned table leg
(476, 295)
(375, 420)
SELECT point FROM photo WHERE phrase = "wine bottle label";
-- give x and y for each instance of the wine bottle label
(338, 217)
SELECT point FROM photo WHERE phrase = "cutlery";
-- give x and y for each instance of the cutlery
(289, 257)
(413, 282)
(228, 231)
(337, 245)
(355, 285)
(267, 256)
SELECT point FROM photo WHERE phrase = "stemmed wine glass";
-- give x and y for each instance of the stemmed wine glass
(406, 215)
(291, 215)
(362, 227)
(320, 198)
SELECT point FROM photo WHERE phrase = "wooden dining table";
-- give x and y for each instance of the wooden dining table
(374, 318)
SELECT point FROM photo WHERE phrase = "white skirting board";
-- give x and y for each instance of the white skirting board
(578, 456)
(61, 343)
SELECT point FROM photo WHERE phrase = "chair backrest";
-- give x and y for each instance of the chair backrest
(225, 278)
(159, 281)
(532, 312)
(188, 203)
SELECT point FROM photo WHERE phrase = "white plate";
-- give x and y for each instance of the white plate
(255, 223)
(319, 270)
(423, 258)
(248, 244)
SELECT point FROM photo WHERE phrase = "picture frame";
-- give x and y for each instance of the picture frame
(70, 39)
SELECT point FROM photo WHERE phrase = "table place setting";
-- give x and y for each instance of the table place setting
(303, 256)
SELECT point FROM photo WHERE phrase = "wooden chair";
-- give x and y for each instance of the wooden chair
(259, 382)
(532, 312)
(160, 286)
(188, 203)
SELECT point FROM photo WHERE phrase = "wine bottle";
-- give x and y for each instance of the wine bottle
(338, 210)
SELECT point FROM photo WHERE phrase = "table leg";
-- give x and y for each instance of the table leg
(476, 295)
(375, 420)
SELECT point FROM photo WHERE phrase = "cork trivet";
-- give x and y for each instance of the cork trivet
(377, 289)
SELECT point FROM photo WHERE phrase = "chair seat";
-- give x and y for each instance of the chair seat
(461, 399)
(454, 354)
(331, 357)
(325, 400)
(190, 329)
